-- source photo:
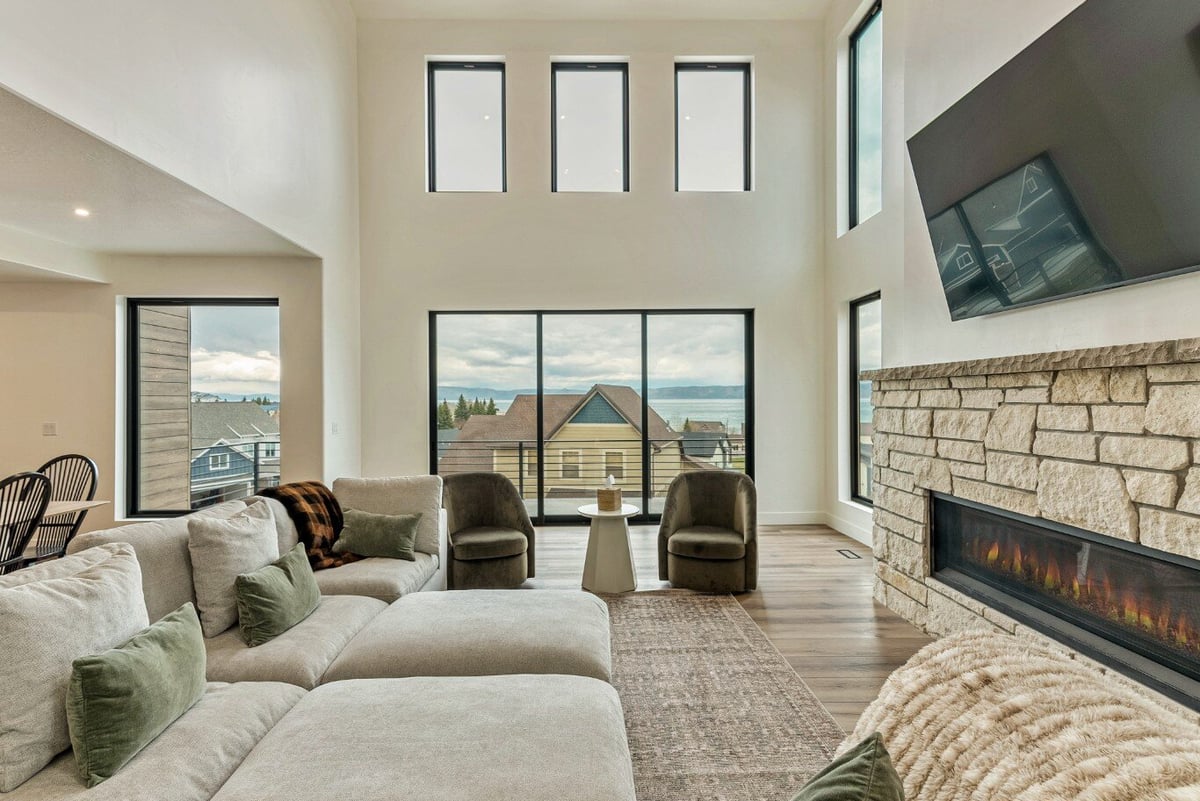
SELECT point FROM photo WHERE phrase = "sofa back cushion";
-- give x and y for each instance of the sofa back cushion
(401, 495)
(45, 624)
(285, 529)
(221, 550)
(162, 550)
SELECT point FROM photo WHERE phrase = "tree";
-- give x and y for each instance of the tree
(445, 417)
(491, 406)
(462, 411)
(477, 407)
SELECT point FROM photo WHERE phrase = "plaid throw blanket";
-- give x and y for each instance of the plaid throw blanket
(318, 519)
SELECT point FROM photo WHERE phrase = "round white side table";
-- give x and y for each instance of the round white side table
(609, 563)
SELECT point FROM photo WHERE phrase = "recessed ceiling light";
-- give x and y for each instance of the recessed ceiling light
(82, 212)
(487, 116)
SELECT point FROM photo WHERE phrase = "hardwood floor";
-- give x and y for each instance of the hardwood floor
(813, 602)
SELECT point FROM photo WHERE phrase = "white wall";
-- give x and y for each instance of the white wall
(935, 51)
(63, 364)
(254, 103)
(649, 248)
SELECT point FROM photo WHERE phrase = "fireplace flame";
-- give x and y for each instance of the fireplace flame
(1095, 592)
(1053, 580)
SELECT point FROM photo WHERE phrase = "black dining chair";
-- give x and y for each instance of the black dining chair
(72, 478)
(23, 499)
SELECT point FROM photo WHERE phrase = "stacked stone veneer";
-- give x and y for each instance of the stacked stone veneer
(1106, 439)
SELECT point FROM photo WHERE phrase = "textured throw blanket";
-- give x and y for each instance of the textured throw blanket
(318, 518)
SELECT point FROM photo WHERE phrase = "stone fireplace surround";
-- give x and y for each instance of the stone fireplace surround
(1106, 439)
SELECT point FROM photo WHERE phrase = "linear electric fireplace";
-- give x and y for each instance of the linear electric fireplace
(1130, 607)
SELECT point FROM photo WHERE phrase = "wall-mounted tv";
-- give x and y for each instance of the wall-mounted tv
(1075, 167)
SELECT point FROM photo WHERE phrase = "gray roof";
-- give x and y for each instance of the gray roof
(232, 422)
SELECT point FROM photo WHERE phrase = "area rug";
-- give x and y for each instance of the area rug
(712, 709)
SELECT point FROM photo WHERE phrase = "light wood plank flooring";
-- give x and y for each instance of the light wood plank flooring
(812, 602)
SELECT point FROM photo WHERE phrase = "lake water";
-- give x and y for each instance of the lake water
(730, 412)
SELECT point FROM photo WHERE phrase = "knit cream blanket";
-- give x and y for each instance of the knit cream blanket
(980, 716)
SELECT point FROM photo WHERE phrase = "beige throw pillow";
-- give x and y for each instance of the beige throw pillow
(222, 550)
(44, 626)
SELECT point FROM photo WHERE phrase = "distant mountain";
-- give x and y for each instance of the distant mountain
(715, 392)
(699, 393)
(233, 397)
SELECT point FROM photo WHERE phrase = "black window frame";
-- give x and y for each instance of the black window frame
(539, 315)
(133, 395)
(855, 400)
(589, 66)
(747, 112)
(872, 15)
(433, 67)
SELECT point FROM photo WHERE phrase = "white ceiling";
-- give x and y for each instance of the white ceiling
(592, 9)
(48, 168)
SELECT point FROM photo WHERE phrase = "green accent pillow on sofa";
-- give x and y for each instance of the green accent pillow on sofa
(118, 701)
(864, 773)
(274, 598)
(367, 534)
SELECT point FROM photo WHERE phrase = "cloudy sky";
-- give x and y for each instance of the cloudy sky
(235, 350)
(499, 351)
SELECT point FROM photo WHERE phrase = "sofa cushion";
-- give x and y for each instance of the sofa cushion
(162, 551)
(187, 762)
(707, 542)
(482, 632)
(273, 599)
(499, 738)
(300, 655)
(385, 579)
(401, 495)
(863, 773)
(488, 542)
(121, 699)
(221, 549)
(285, 530)
(44, 626)
(368, 534)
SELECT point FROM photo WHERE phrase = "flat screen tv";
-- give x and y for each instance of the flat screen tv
(1075, 167)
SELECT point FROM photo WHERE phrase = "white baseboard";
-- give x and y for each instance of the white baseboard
(850, 528)
(792, 518)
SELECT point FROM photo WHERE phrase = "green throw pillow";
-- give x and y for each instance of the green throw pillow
(864, 773)
(120, 700)
(390, 536)
(274, 598)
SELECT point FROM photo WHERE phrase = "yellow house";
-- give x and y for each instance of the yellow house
(587, 437)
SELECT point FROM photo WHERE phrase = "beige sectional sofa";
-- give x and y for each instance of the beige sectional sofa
(434, 696)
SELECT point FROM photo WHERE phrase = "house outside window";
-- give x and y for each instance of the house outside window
(866, 344)
(614, 464)
(218, 461)
(570, 464)
(270, 450)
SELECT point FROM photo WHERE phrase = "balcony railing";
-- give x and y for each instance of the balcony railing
(575, 468)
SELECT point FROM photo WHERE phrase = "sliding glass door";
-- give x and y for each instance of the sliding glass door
(559, 401)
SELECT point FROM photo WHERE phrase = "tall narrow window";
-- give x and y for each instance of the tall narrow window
(203, 402)
(866, 345)
(866, 117)
(712, 127)
(589, 105)
(466, 127)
